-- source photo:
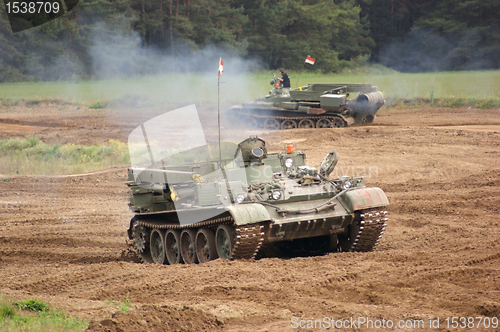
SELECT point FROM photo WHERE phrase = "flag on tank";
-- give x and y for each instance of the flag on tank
(310, 60)
(220, 66)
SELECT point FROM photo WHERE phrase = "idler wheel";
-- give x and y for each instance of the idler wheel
(173, 246)
(337, 123)
(347, 240)
(224, 240)
(188, 252)
(288, 124)
(271, 124)
(205, 245)
(157, 246)
(323, 123)
(141, 237)
(306, 124)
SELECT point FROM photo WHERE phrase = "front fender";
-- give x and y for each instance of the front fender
(365, 198)
(244, 214)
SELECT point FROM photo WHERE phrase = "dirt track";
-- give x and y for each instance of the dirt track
(63, 239)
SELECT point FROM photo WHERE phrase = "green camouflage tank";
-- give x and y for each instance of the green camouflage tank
(317, 105)
(195, 206)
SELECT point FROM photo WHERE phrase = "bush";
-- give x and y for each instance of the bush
(32, 305)
(98, 105)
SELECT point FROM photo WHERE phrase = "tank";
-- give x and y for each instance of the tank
(317, 105)
(247, 201)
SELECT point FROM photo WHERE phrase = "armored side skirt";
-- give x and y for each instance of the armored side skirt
(291, 230)
(290, 226)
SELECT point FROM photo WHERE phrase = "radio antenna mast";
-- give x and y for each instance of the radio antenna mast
(221, 69)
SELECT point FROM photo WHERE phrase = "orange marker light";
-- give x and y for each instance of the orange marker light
(290, 149)
(277, 85)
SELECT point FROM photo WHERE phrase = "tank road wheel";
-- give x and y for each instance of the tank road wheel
(205, 245)
(306, 124)
(141, 237)
(157, 246)
(323, 123)
(337, 123)
(271, 124)
(188, 252)
(173, 246)
(288, 124)
(224, 240)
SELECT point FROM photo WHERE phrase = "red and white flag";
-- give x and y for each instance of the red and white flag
(221, 69)
(310, 60)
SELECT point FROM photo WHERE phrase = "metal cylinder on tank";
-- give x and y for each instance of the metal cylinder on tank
(376, 98)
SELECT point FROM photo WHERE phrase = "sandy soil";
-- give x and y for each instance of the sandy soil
(63, 239)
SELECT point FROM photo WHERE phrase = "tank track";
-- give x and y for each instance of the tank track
(329, 117)
(248, 239)
(207, 223)
(371, 227)
(297, 118)
(248, 242)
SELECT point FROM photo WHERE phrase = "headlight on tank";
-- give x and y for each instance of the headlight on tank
(240, 198)
(288, 162)
(347, 185)
(276, 195)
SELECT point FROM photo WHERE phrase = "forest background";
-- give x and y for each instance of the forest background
(143, 37)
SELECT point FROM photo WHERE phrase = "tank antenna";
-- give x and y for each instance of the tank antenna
(218, 126)
(221, 69)
(298, 75)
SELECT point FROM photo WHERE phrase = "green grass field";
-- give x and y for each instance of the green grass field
(176, 88)
(35, 316)
(31, 156)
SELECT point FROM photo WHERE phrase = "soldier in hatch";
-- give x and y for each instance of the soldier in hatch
(285, 79)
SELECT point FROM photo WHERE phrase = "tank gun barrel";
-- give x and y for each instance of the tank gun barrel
(145, 175)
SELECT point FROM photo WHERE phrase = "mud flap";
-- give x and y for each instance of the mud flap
(349, 120)
(366, 198)
(244, 214)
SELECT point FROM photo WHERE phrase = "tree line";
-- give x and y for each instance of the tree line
(408, 35)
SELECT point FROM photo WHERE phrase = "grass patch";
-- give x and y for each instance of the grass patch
(31, 305)
(452, 102)
(6, 102)
(98, 105)
(34, 316)
(124, 306)
(32, 157)
(32, 102)
(237, 88)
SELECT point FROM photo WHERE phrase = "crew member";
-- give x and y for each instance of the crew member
(285, 79)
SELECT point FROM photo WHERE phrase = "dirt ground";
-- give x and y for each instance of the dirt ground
(63, 238)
